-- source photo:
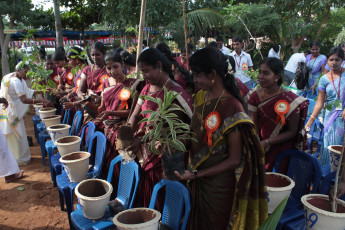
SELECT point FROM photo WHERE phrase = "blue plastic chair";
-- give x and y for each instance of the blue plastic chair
(66, 187)
(305, 170)
(177, 202)
(311, 106)
(126, 192)
(36, 119)
(56, 167)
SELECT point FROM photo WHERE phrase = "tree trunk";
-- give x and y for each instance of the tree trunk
(141, 29)
(4, 41)
(58, 26)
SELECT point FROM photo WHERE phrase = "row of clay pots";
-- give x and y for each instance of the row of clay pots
(318, 215)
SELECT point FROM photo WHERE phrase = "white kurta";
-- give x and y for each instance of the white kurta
(11, 119)
(8, 164)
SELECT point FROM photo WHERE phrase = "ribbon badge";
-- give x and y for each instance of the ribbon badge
(70, 78)
(56, 78)
(77, 85)
(281, 107)
(124, 95)
(212, 123)
(101, 80)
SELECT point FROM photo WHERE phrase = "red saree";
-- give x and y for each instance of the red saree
(66, 76)
(151, 170)
(94, 78)
(270, 128)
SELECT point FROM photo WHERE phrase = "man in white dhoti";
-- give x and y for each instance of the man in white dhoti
(8, 164)
(18, 96)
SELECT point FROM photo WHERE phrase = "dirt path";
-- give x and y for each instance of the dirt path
(31, 202)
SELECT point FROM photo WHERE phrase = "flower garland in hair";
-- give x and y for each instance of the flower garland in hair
(230, 69)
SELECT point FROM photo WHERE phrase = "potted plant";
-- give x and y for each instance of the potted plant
(167, 130)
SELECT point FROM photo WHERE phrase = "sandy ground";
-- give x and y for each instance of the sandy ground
(31, 202)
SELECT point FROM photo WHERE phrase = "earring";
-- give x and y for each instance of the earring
(212, 81)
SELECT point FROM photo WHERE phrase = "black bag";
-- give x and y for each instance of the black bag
(302, 76)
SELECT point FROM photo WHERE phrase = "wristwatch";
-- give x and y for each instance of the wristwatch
(195, 173)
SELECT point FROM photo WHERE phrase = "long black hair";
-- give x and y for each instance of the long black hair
(276, 66)
(152, 56)
(165, 50)
(112, 56)
(210, 58)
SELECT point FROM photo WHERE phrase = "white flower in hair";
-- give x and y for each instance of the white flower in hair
(230, 70)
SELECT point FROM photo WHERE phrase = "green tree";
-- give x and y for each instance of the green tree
(81, 14)
(9, 11)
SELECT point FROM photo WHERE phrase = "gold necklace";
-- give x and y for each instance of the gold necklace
(203, 108)
(278, 91)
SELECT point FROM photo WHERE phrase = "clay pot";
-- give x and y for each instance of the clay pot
(318, 213)
(279, 186)
(68, 144)
(76, 165)
(37, 107)
(334, 153)
(58, 131)
(47, 112)
(93, 196)
(52, 120)
(137, 218)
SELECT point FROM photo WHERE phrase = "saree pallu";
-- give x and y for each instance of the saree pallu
(151, 170)
(94, 78)
(232, 199)
(270, 128)
(112, 102)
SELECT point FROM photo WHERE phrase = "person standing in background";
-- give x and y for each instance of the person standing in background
(291, 66)
(221, 47)
(274, 51)
(243, 61)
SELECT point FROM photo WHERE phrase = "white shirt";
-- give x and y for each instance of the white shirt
(242, 63)
(272, 53)
(293, 62)
(146, 48)
(225, 50)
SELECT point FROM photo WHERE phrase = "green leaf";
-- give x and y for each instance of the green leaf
(178, 145)
(20, 188)
(272, 221)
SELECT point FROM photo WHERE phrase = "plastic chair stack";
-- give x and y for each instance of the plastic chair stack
(305, 170)
(66, 187)
(177, 202)
(128, 185)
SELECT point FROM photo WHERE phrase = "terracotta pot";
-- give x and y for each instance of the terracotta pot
(334, 153)
(93, 196)
(58, 131)
(68, 144)
(76, 165)
(318, 213)
(279, 186)
(137, 218)
(52, 120)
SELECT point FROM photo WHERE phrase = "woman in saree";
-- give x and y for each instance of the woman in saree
(64, 72)
(157, 72)
(316, 63)
(114, 104)
(331, 91)
(226, 165)
(18, 96)
(278, 114)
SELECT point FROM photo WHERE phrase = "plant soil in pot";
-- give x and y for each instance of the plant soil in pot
(279, 186)
(137, 218)
(125, 138)
(334, 153)
(68, 144)
(47, 112)
(93, 196)
(52, 120)
(318, 215)
(76, 165)
(58, 131)
(172, 163)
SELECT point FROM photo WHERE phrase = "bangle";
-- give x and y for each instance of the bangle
(311, 116)
(267, 143)
(195, 173)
